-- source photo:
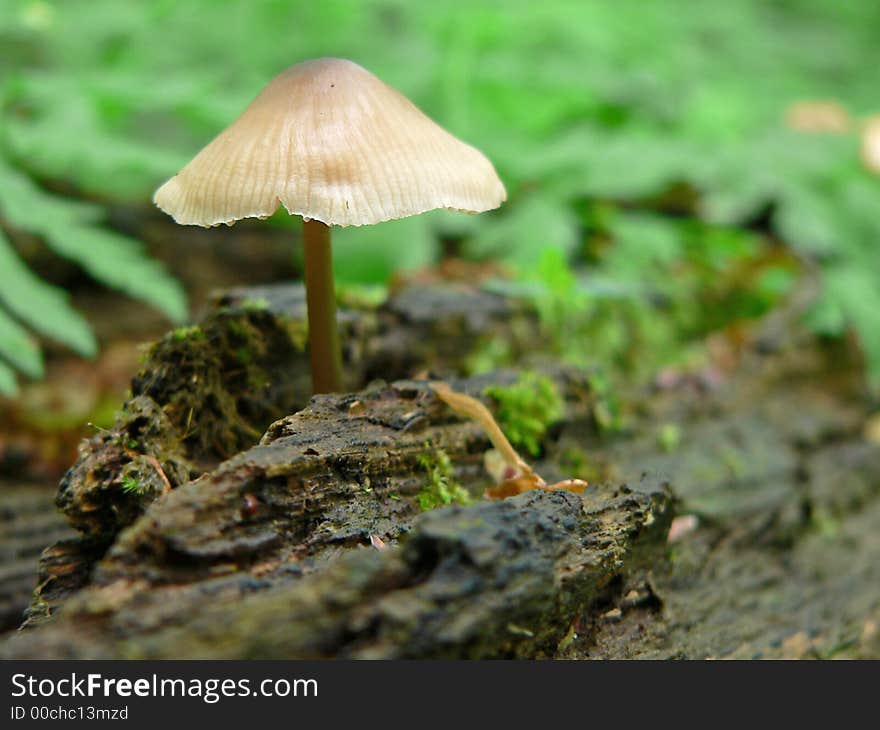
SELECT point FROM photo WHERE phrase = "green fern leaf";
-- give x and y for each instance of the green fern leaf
(71, 230)
(28, 207)
(18, 348)
(120, 263)
(45, 308)
(8, 386)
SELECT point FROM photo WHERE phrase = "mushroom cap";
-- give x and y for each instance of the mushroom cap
(331, 142)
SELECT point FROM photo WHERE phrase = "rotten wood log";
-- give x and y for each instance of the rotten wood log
(283, 525)
(206, 392)
(776, 479)
(376, 442)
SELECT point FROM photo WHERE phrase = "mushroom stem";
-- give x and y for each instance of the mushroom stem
(473, 408)
(324, 352)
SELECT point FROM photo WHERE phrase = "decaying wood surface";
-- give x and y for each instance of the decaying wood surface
(287, 524)
(206, 392)
(775, 552)
(775, 466)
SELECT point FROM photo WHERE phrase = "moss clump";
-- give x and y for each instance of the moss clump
(489, 354)
(669, 437)
(526, 409)
(130, 485)
(298, 334)
(255, 304)
(361, 296)
(441, 489)
(222, 382)
(185, 333)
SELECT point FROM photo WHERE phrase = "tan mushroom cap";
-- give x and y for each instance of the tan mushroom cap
(330, 142)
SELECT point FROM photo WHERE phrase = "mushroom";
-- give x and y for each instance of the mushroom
(871, 143)
(518, 476)
(335, 145)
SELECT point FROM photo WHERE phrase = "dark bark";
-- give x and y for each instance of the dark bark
(267, 555)
(283, 524)
(205, 393)
(498, 579)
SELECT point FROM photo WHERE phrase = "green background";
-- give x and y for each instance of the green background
(656, 193)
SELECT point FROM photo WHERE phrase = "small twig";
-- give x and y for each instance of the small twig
(166, 485)
(473, 408)
(523, 477)
(154, 462)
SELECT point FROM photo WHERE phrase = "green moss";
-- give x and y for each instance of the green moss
(526, 409)
(361, 296)
(130, 485)
(222, 382)
(186, 333)
(255, 304)
(298, 332)
(441, 489)
(669, 437)
(489, 354)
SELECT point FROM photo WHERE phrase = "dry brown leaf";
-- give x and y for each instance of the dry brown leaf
(817, 116)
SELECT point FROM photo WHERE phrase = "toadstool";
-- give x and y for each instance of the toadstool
(335, 145)
(518, 477)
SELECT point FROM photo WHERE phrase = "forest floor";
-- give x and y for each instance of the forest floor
(747, 529)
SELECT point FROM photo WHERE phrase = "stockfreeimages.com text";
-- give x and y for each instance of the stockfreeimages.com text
(209, 690)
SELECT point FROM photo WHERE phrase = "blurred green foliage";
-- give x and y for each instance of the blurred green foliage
(72, 230)
(640, 140)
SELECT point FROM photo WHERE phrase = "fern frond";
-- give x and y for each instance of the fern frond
(120, 263)
(44, 307)
(72, 230)
(8, 386)
(18, 348)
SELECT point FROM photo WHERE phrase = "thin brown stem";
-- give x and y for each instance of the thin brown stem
(524, 477)
(472, 408)
(324, 351)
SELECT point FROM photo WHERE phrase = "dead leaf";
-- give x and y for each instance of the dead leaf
(817, 116)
